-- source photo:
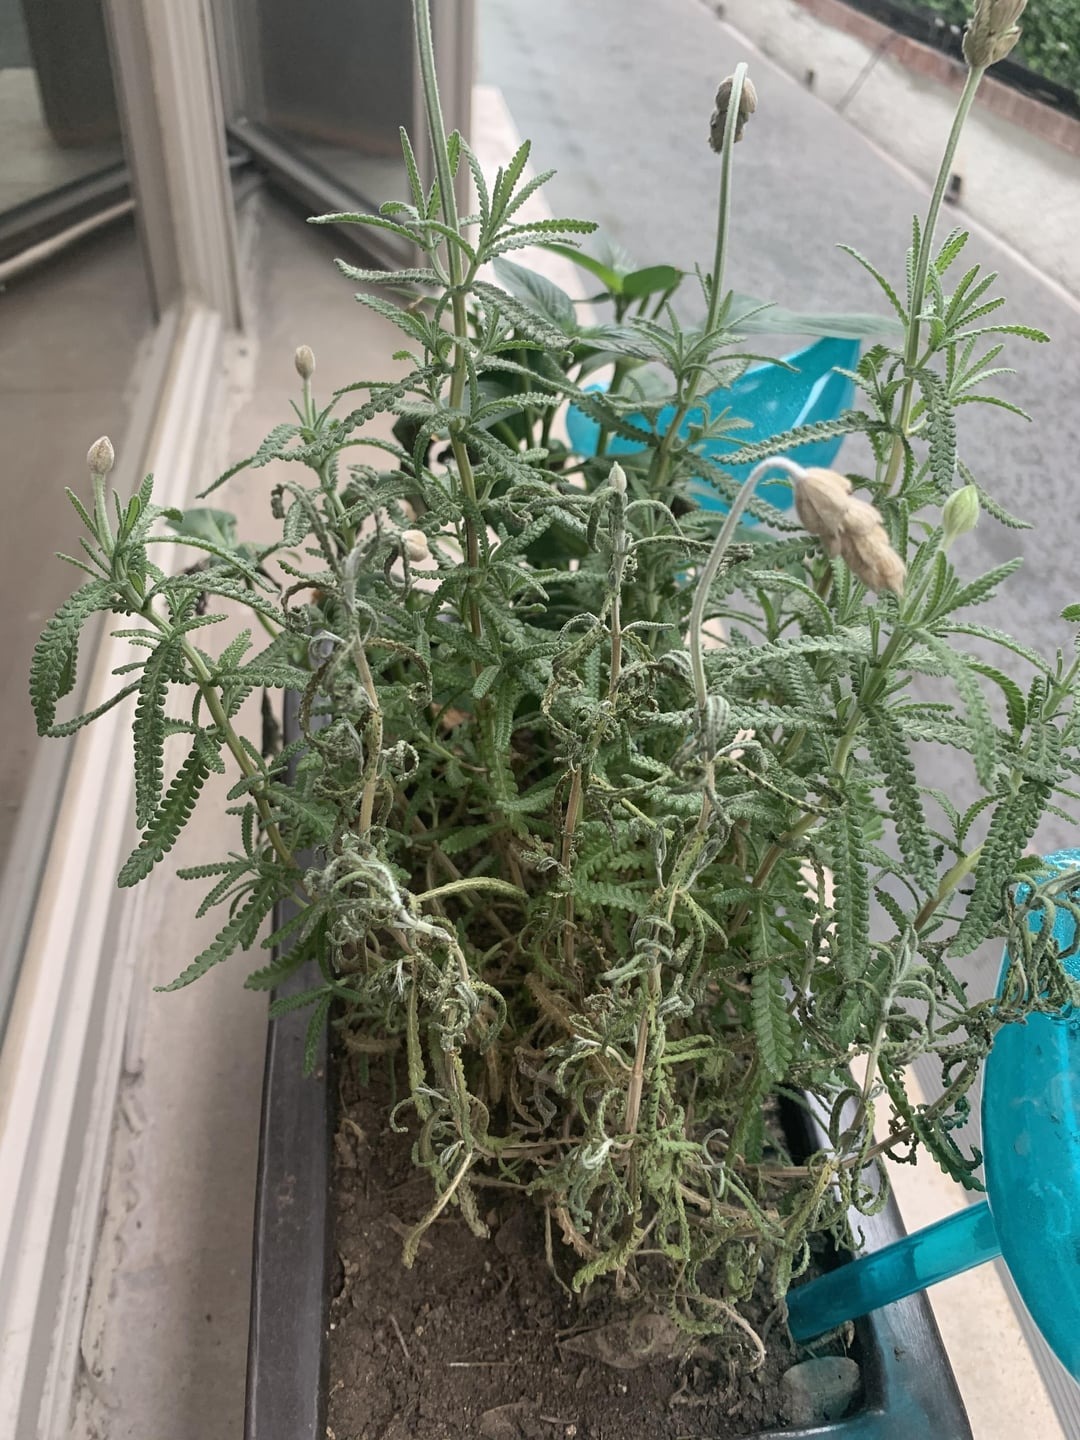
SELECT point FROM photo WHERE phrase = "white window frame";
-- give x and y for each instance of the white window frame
(63, 1046)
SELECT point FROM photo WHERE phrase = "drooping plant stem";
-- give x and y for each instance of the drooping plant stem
(712, 566)
(922, 271)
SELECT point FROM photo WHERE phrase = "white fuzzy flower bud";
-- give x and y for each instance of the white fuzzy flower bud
(416, 545)
(822, 498)
(304, 361)
(872, 558)
(101, 456)
(849, 526)
(617, 479)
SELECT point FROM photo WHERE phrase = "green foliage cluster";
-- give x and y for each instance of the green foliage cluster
(598, 890)
(1050, 44)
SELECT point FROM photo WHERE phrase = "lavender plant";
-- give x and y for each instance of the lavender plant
(603, 804)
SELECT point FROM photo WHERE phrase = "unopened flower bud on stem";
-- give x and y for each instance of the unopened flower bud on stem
(849, 527)
(304, 361)
(747, 106)
(101, 456)
(416, 545)
(992, 31)
(961, 514)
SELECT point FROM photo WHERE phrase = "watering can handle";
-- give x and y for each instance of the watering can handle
(935, 1253)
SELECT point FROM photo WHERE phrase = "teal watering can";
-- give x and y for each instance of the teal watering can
(1031, 1137)
(771, 399)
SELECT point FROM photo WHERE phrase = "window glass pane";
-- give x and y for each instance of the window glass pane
(336, 79)
(58, 114)
(75, 321)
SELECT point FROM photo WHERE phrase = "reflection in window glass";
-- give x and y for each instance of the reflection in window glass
(336, 79)
(71, 334)
(57, 110)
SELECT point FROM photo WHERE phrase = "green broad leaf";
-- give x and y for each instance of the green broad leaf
(1071, 613)
(610, 278)
(652, 280)
(772, 1024)
(750, 316)
(538, 292)
(890, 753)
(204, 522)
(173, 814)
(55, 659)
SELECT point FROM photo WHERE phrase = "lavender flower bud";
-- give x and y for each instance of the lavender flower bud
(617, 479)
(101, 456)
(822, 498)
(992, 31)
(304, 361)
(416, 545)
(961, 514)
(718, 119)
(872, 558)
(859, 517)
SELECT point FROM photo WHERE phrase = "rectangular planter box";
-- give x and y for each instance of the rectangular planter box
(909, 1389)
